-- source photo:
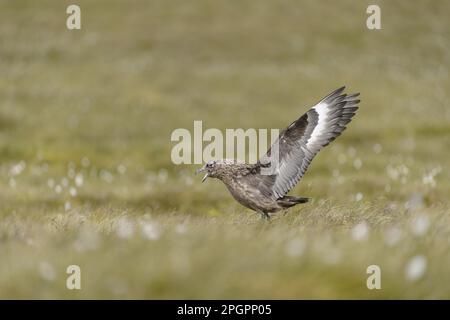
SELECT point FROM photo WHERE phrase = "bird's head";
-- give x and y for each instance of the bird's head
(214, 168)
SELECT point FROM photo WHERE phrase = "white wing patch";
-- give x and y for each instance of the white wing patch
(321, 127)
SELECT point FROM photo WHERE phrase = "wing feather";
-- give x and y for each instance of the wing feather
(299, 143)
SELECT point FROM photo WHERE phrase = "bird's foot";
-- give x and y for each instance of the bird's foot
(264, 216)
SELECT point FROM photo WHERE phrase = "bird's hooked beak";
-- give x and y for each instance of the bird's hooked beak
(202, 169)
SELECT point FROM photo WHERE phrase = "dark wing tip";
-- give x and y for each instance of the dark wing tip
(352, 96)
(337, 92)
(333, 95)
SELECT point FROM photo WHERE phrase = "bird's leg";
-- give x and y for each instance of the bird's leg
(264, 215)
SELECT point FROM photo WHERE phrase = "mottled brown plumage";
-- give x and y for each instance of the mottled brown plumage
(263, 186)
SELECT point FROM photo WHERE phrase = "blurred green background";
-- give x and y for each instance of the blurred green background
(86, 176)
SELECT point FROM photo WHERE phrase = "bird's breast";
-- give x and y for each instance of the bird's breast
(248, 195)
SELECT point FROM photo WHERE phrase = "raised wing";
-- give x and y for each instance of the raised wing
(304, 138)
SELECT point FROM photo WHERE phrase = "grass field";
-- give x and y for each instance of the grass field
(86, 176)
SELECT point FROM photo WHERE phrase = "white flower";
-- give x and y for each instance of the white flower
(420, 224)
(181, 228)
(71, 173)
(79, 180)
(121, 169)
(150, 231)
(360, 232)
(124, 228)
(377, 148)
(73, 191)
(106, 176)
(18, 168)
(85, 162)
(415, 201)
(393, 236)
(428, 179)
(357, 163)
(58, 188)
(47, 271)
(295, 247)
(416, 268)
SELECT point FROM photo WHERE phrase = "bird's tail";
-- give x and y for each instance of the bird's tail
(289, 201)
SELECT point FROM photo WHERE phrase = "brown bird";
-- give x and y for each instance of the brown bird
(262, 187)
